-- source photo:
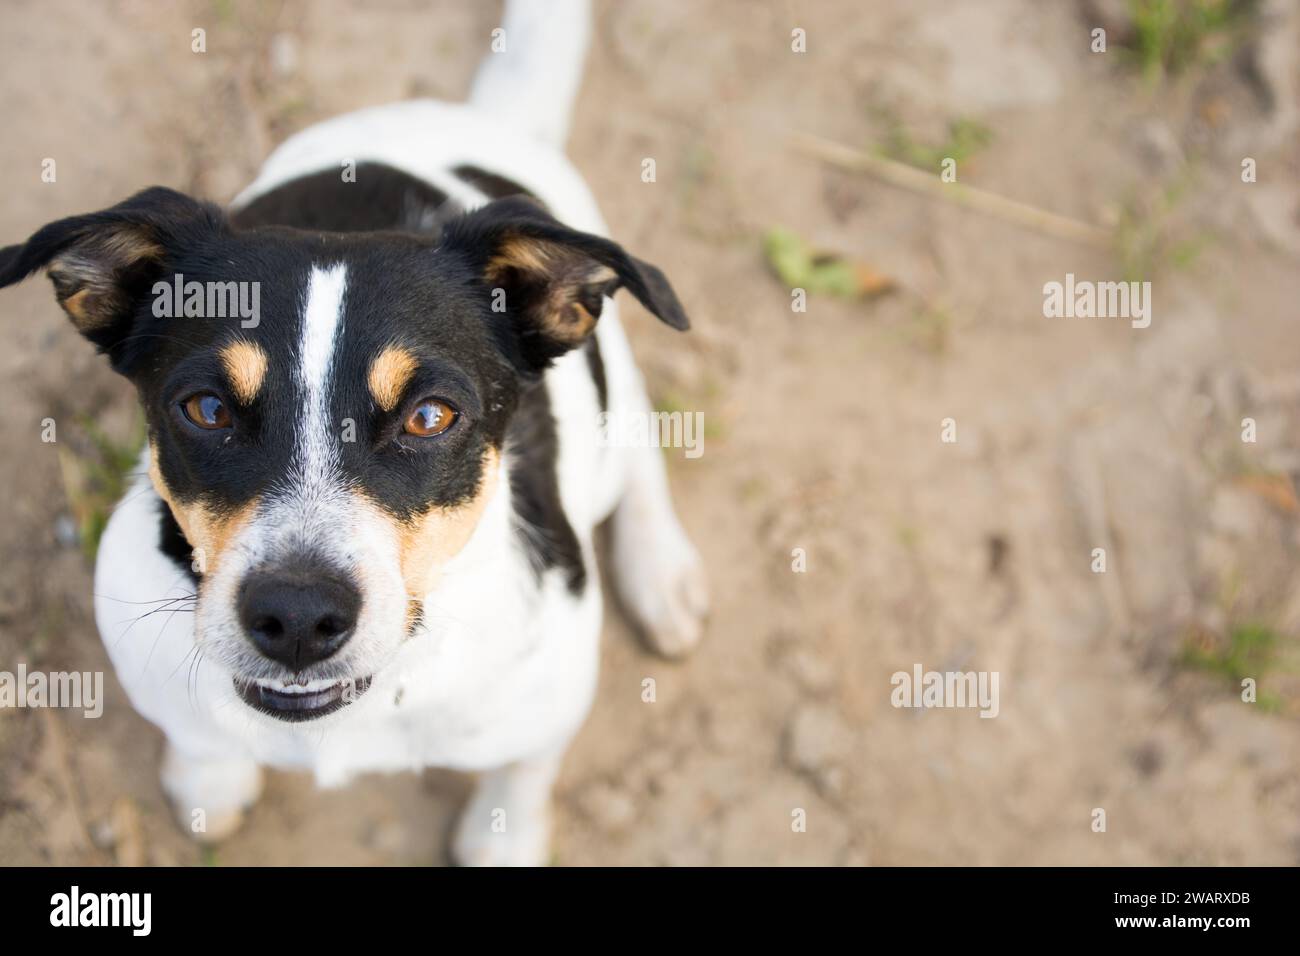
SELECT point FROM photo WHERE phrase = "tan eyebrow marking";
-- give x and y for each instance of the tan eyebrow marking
(245, 365)
(389, 374)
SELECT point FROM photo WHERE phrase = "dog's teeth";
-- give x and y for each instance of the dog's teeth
(299, 687)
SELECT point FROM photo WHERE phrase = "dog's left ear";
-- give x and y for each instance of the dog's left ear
(554, 278)
(103, 263)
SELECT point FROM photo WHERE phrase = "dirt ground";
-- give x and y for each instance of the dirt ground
(1119, 690)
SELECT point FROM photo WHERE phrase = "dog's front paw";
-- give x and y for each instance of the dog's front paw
(208, 796)
(487, 836)
(684, 611)
(662, 582)
(508, 820)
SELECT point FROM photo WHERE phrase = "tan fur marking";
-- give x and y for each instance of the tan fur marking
(85, 276)
(130, 245)
(572, 325)
(566, 271)
(526, 254)
(245, 365)
(389, 374)
(429, 540)
(206, 532)
(75, 306)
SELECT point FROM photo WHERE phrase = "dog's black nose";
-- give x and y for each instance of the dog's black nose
(298, 618)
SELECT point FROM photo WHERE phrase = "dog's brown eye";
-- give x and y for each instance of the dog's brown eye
(431, 417)
(206, 410)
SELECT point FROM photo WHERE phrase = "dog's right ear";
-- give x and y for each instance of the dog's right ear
(103, 264)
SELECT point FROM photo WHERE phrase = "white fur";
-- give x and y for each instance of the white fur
(310, 510)
(502, 672)
(322, 317)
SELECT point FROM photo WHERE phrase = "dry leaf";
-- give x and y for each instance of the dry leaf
(1278, 490)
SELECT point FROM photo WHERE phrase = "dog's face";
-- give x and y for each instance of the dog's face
(326, 412)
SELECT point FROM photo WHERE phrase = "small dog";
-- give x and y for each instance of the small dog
(375, 477)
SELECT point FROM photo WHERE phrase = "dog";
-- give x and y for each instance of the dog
(375, 478)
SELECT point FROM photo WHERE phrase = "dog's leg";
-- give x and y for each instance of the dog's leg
(508, 820)
(657, 571)
(210, 794)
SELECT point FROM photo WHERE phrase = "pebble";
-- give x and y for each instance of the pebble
(607, 806)
(284, 54)
(817, 740)
(65, 531)
(810, 671)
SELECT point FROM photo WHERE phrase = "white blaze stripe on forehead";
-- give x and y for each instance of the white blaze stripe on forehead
(322, 317)
(311, 515)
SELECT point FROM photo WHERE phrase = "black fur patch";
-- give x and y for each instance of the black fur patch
(173, 544)
(490, 184)
(597, 366)
(380, 198)
(535, 490)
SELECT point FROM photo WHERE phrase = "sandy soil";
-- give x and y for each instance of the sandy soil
(824, 432)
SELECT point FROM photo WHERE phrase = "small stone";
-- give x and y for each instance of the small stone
(608, 807)
(830, 781)
(816, 740)
(810, 671)
(101, 834)
(648, 771)
(1148, 758)
(387, 836)
(65, 531)
(853, 856)
(284, 54)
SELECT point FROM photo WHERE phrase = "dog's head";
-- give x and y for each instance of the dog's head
(326, 411)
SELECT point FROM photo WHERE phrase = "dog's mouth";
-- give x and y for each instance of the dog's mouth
(295, 701)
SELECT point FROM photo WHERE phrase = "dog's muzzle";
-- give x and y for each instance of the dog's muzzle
(298, 616)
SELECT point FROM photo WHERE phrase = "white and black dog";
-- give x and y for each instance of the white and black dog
(378, 494)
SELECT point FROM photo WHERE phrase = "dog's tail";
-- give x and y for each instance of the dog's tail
(531, 77)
